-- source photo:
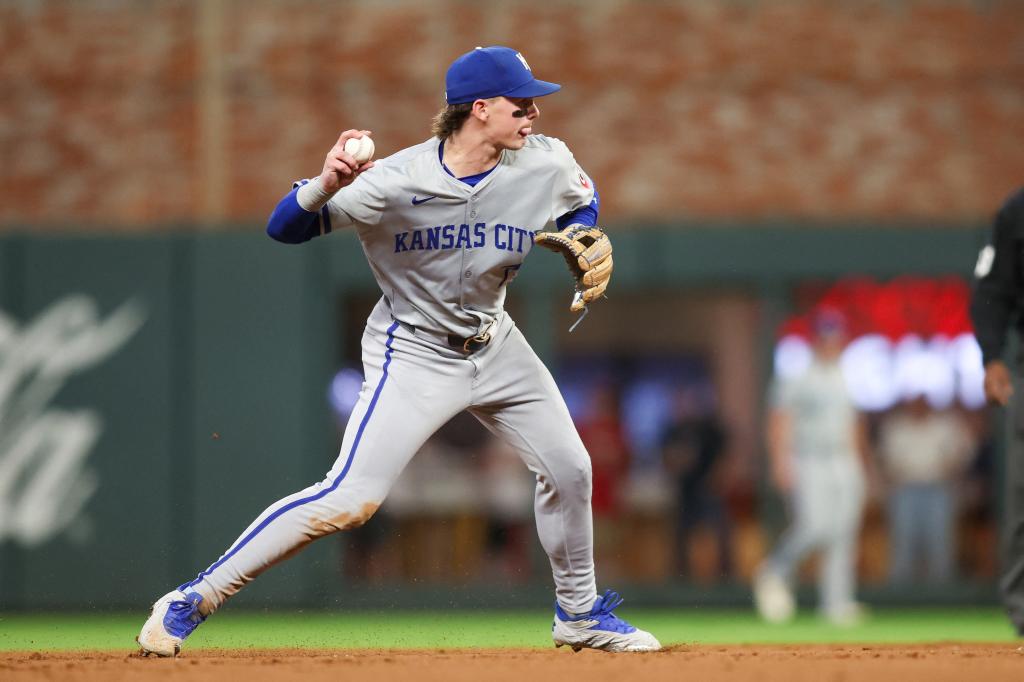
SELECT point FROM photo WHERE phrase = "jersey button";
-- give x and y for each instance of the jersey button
(472, 214)
(468, 274)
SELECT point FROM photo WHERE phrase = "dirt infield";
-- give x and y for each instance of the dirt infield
(934, 663)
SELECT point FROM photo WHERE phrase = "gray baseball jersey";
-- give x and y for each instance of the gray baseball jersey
(824, 418)
(443, 253)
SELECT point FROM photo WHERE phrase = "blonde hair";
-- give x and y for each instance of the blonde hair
(448, 121)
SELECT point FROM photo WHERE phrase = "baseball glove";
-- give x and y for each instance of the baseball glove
(588, 253)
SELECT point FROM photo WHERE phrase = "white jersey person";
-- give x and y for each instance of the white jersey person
(923, 453)
(816, 442)
(445, 226)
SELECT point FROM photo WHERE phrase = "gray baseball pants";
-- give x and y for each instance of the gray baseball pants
(828, 501)
(414, 385)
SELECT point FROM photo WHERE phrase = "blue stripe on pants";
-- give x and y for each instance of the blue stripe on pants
(334, 486)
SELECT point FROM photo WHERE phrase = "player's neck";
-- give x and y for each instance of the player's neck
(467, 154)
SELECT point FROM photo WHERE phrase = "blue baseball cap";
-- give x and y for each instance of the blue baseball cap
(494, 71)
(829, 322)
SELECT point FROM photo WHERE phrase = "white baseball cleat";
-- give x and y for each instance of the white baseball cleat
(175, 615)
(847, 615)
(773, 598)
(600, 629)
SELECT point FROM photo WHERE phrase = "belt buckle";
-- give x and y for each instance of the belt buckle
(482, 339)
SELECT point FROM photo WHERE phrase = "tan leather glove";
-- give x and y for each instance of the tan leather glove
(588, 253)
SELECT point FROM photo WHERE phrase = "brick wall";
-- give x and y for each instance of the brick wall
(118, 113)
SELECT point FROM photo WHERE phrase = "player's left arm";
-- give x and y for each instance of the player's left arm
(575, 208)
(586, 249)
(574, 197)
(584, 215)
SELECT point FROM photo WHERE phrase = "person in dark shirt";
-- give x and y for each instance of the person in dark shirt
(996, 304)
(693, 446)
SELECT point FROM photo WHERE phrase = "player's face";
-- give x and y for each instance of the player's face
(830, 346)
(511, 121)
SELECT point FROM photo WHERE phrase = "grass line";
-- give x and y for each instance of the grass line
(464, 629)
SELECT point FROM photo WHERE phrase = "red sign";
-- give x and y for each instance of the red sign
(906, 305)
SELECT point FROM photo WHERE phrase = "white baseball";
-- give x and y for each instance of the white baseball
(361, 148)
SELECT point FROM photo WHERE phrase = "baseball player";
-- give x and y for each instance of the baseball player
(445, 225)
(816, 442)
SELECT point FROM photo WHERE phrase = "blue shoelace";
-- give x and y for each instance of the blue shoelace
(602, 613)
(183, 616)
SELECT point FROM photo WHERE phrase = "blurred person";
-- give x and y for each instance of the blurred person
(817, 446)
(923, 454)
(980, 502)
(692, 447)
(997, 304)
(445, 226)
(508, 495)
(602, 433)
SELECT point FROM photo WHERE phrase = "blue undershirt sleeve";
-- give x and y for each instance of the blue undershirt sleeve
(585, 215)
(292, 224)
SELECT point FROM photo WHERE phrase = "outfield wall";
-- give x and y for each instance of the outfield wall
(157, 392)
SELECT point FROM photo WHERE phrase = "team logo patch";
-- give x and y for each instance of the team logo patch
(984, 264)
(584, 181)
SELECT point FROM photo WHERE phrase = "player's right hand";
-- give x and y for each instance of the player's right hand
(998, 386)
(340, 169)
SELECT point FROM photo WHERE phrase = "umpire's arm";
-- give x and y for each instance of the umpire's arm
(996, 294)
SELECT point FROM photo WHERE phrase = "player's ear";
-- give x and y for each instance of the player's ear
(482, 109)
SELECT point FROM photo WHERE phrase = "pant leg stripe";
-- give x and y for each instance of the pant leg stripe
(334, 485)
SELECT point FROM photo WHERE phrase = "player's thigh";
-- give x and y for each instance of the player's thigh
(521, 403)
(549, 446)
(812, 498)
(848, 491)
(407, 396)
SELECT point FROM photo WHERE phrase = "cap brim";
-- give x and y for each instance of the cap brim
(535, 88)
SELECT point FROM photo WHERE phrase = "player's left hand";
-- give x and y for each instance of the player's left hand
(588, 253)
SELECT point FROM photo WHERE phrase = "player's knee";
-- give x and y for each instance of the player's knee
(572, 474)
(333, 521)
(585, 475)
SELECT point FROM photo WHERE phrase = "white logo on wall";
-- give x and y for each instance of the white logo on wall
(44, 480)
(985, 258)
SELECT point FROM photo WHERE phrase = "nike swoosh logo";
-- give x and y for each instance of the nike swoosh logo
(417, 202)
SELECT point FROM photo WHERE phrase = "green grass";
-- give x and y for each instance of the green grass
(412, 630)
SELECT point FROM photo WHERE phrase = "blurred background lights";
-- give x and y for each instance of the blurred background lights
(910, 337)
(344, 390)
